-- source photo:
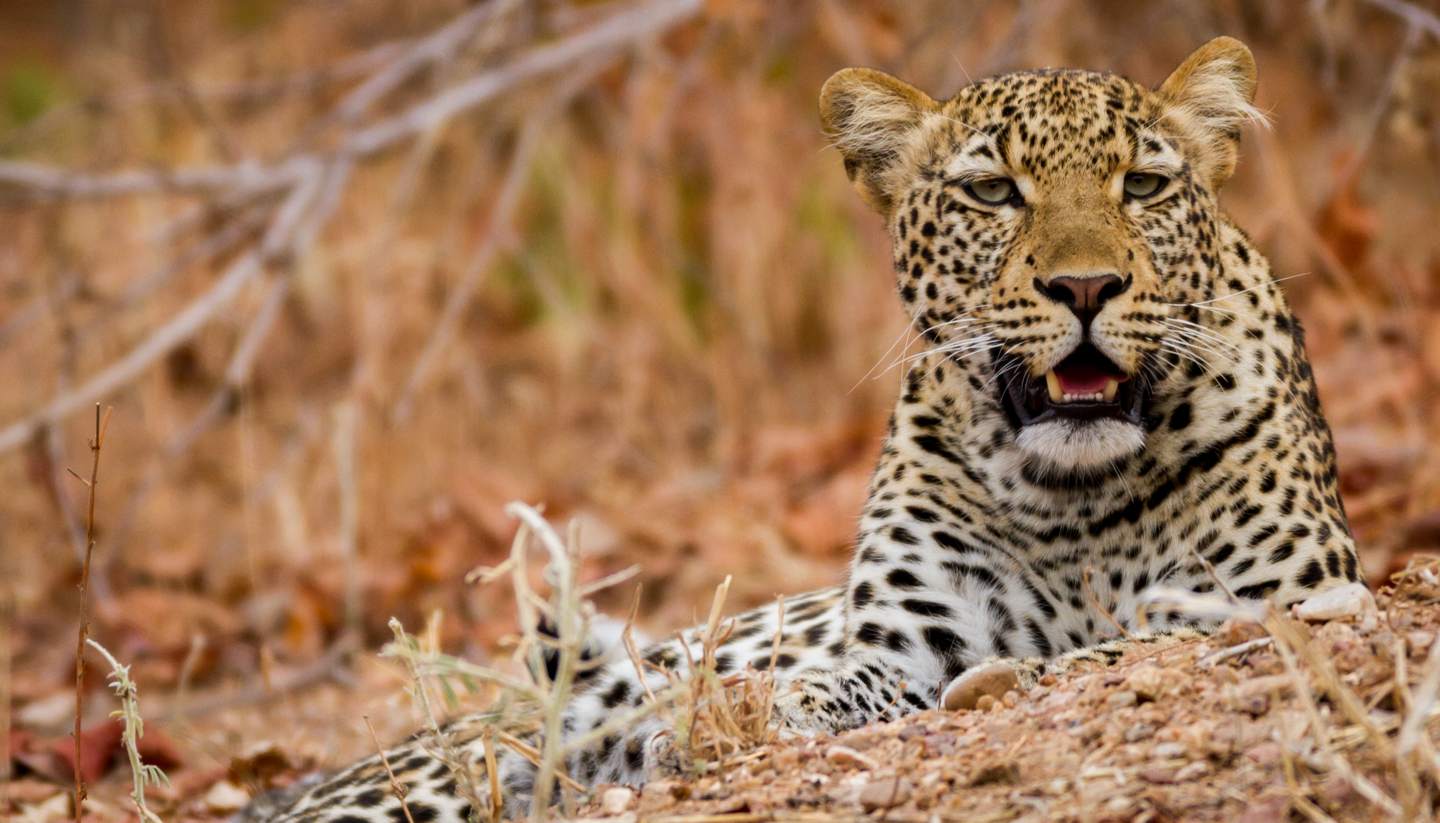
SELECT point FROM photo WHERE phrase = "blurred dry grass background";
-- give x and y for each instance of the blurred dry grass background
(637, 290)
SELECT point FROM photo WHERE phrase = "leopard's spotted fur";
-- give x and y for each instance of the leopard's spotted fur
(979, 530)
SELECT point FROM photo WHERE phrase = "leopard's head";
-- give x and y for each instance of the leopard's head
(1051, 229)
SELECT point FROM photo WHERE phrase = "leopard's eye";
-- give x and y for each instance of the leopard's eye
(1140, 185)
(994, 191)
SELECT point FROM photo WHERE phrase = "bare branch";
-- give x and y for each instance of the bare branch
(314, 184)
(37, 181)
(637, 23)
(1413, 15)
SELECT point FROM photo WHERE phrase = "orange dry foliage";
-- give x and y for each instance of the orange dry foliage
(674, 338)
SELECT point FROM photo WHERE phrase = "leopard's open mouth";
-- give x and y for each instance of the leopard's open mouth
(1087, 385)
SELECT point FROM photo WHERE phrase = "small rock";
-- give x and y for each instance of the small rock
(1264, 754)
(24, 791)
(965, 691)
(1266, 809)
(1138, 732)
(1120, 700)
(731, 805)
(1233, 632)
(225, 797)
(1251, 704)
(616, 800)
(849, 758)
(1337, 790)
(1192, 771)
(660, 791)
(1168, 751)
(56, 808)
(1000, 772)
(911, 732)
(786, 759)
(1148, 682)
(884, 793)
(1349, 600)
(1157, 774)
(47, 711)
(1121, 806)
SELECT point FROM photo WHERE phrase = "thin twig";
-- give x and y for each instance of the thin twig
(395, 786)
(102, 422)
(1095, 601)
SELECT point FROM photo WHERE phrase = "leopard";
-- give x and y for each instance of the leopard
(1113, 399)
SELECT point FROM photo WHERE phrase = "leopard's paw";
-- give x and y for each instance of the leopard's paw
(804, 710)
(993, 677)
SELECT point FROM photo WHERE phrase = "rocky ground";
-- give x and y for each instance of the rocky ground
(1320, 715)
(1216, 729)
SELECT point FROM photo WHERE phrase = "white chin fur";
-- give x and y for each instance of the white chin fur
(1068, 445)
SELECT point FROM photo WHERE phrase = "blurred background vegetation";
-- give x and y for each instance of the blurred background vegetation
(633, 286)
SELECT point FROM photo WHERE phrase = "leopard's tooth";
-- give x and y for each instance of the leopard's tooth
(1053, 383)
(1111, 387)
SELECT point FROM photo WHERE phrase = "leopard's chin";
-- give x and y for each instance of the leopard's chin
(1080, 418)
(1066, 447)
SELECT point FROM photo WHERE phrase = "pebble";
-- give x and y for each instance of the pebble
(1169, 751)
(1264, 754)
(225, 797)
(1138, 732)
(884, 793)
(617, 800)
(1120, 805)
(1148, 682)
(1120, 700)
(1349, 600)
(1192, 771)
(1157, 774)
(846, 756)
(671, 789)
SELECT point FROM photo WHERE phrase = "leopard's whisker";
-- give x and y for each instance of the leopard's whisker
(1266, 284)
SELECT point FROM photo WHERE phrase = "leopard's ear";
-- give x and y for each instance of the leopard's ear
(1208, 98)
(873, 119)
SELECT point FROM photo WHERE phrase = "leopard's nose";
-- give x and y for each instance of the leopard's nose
(1085, 295)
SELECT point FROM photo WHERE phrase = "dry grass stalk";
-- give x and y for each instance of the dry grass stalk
(141, 774)
(102, 423)
(534, 755)
(408, 650)
(566, 614)
(492, 773)
(395, 785)
(709, 714)
(1095, 601)
(1290, 644)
